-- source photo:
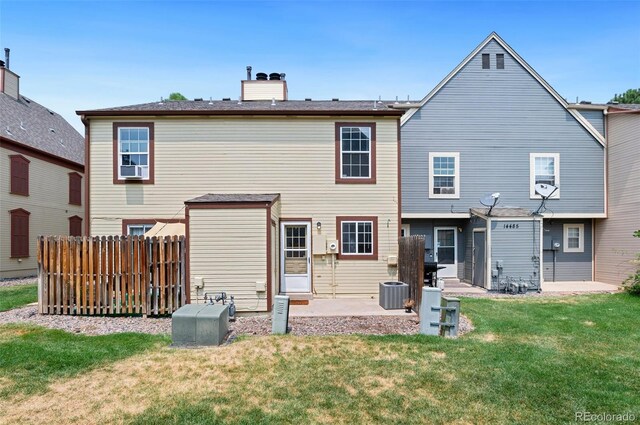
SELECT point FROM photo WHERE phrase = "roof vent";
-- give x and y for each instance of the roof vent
(273, 101)
(1, 64)
(198, 99)
(274, 76)
(585, 102)
(335, 99)
(52, 130)
(307, 99)
(226, 99)
(261, 76)
(50, 111)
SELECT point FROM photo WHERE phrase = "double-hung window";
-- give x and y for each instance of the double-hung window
(573, 237)
(355, 153)
(133, 152)
(544, 169)
(358, 237)
(444, 175)
(138, 229)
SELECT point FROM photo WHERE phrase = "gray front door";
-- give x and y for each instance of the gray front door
(479, 259)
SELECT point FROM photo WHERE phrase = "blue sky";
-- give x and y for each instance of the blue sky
(89, 54)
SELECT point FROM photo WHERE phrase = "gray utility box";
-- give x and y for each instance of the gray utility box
(280, 320)
(393, 294)
(200, 324)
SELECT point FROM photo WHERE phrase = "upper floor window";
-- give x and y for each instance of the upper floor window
(486, 61)
(19, 166)
(499, 60)
(444, 175)
(133, 153)
(19, 233)
(573, 237)
(355, 153)
(545, 169)
(75, 189)
(358, 238)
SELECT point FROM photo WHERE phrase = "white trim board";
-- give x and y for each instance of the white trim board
(495, 37)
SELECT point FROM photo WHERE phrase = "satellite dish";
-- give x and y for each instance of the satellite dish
(490, 199)
(545, 190)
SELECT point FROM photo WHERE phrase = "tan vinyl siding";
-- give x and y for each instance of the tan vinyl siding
(48, 203)
(292, 156)
(228, 250)
(615, 246)
(264, 90)
(11, 83)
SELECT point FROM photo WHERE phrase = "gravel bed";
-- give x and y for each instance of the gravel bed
(18, 281)
(251, 325)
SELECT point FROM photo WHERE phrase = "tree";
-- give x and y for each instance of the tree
(177, 96)
(630, 96)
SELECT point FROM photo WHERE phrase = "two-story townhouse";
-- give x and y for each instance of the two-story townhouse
(615, 246)
(494, 126)
(277, 195)
(41, 176)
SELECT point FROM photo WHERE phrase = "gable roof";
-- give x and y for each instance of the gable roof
(252, 107)
(30, 124)
(495, 37)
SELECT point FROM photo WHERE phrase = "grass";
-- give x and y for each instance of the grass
(32, 357)
(532, 360)
(17, 296)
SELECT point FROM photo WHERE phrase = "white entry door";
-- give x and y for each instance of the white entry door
(446, 252)
(296, 261)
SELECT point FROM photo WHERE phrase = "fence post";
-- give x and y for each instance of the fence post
(430, 311)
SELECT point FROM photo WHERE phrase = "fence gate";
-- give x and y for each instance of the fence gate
(111, 275)
(411, 267)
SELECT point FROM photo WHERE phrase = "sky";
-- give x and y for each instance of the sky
(78, 55)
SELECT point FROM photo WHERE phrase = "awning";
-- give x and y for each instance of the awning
(161, 229)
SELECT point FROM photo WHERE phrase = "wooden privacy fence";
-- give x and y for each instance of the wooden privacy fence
(111, 275)
(411, 267)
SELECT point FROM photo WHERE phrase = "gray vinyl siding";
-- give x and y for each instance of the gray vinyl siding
(494, 119)
(570, 266)
(596, 118)
(516, 248)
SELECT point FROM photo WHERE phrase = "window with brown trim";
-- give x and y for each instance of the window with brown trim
(75, 226)
(19, 233)
(133, 152)
(19, 175)
(355, 153)
(357, 237)
(75, 189)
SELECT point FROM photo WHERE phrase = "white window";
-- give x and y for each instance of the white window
(405, 231)
(138, 229)
(357, 238)
(573, 238)
(355, 158)
(444, 175)
(133, 152)
(544, 168)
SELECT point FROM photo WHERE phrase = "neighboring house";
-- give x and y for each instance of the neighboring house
(615, 246)
(493, 125)
(265, 185)
(41, 177)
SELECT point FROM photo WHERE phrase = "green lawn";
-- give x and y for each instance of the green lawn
(532, 361)
(17, 296)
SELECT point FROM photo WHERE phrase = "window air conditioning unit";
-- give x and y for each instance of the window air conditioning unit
(132, 172)
(448, 190)
(333, 247)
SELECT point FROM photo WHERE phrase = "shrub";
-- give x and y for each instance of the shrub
(632, 283)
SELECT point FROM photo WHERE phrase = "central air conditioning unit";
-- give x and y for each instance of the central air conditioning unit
(132, 172)
(333, 247)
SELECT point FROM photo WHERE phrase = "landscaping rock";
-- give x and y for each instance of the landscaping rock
(18, 281)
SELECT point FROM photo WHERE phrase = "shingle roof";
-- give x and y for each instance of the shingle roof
(625, 106)
(26, 121)
(502, 212)
(219, 198)
(228, 107)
